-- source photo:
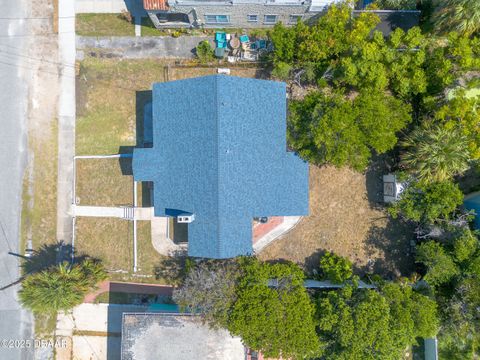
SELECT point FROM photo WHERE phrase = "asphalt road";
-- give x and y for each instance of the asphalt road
(15, 323)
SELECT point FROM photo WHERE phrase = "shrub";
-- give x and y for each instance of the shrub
(281, 71)
(440, 266)
(204, 52)
(335, 268)
(428, 203)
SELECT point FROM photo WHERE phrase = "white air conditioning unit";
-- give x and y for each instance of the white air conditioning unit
(185, 219)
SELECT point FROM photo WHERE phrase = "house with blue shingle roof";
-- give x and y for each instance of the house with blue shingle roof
(220, 159)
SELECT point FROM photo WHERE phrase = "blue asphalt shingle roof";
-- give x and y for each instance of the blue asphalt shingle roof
(219, 152)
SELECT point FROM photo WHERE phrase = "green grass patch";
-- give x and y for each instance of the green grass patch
(148, 258)
(103, 25)
(108, 239)
(39, 196)
(111, 95)
(104, 182)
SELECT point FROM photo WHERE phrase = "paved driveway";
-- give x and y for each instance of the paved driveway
(129, 47)
(15, 323)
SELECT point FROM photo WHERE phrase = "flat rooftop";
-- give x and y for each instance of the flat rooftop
(175, 336)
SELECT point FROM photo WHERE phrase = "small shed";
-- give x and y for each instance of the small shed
(392, 188)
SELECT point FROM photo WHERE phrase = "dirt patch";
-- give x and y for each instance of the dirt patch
(346, 218)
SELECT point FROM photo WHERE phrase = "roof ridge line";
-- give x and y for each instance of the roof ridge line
(215, 84)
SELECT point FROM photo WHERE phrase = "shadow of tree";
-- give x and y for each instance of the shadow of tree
(49, 255)
(312, 265)
(394, 242)
(173, 269)
(379, 166)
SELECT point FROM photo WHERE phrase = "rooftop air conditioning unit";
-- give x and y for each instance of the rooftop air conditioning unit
(185, 219)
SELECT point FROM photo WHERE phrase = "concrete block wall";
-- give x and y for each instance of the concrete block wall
(238, 14)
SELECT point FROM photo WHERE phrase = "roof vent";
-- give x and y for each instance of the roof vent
(185, 219)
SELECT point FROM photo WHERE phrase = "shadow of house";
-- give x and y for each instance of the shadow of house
(144, 139)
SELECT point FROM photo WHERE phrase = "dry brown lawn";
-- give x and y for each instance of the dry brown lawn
(104, 182)
(148, 257)
(108, 239)
(347, 218)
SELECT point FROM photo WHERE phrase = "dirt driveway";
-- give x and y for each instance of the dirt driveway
(346, 217)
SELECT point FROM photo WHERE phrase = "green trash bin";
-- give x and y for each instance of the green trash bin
(219, 52)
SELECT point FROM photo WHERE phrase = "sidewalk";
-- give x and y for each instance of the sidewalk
(66, 119)
(131, 47)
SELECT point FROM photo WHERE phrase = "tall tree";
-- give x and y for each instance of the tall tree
(441, 267)
(369, 324)
(276, 319)
(435, 154)
(60, 287)
(340, 131)
(428, 203)
(209, 290)
(462, 16)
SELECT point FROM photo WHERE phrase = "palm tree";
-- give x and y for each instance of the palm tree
(60, 287)
(462, 16)
(435, 154)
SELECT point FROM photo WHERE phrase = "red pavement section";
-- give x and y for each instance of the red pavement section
(134, 288)
(260, 229)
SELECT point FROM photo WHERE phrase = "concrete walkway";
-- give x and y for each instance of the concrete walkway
(130, 47)
(66, 119)
(160, 240)
(288, 224)
(128, 213)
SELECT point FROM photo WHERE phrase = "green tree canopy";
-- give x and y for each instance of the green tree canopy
(336, 130)
(462, 16)
(278, 320)
(335, 268)
(465, 245)
(462, 115)
(435, 154)
(209, 290)
(366, 324)
(60, 287)
(428, 203)
(440, 265)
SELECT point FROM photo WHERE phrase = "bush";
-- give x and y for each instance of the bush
(335, 268)
(428, 203)
(204, 52)
(465, 245)
(397, 4)
(440, 266)
(281, 71)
